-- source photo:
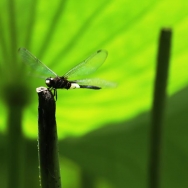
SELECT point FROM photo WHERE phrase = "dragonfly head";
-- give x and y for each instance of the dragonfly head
(50, 82)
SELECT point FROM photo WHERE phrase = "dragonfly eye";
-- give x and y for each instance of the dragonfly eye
(49, 82)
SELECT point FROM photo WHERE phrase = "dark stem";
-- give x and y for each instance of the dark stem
(158, 107)
(87, 180)
(16, 98)
(47, 140)
(15, 147)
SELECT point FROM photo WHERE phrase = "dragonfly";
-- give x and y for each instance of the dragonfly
(86, 67)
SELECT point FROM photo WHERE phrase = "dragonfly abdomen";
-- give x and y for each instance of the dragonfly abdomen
(89, 87)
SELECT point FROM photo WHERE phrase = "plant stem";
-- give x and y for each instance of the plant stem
(158, 107)
(15, 147)
(47, 140)
(16, 102)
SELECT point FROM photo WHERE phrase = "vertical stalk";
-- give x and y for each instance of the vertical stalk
(47, 140)
(16, 98)
(158, 107)
(87, 179)
(15, 147)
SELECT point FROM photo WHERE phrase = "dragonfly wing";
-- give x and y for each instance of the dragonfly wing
(96, 82)
(35, 63)
(90, 65)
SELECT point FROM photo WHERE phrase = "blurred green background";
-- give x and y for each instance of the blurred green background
(103, 135)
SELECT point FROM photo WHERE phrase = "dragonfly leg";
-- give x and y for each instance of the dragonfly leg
(54, 92)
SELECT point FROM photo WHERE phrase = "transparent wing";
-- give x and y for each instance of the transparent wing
(90, 65)
(96, 82)
(35, 63)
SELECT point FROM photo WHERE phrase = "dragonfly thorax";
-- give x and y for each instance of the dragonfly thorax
(58, 83)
